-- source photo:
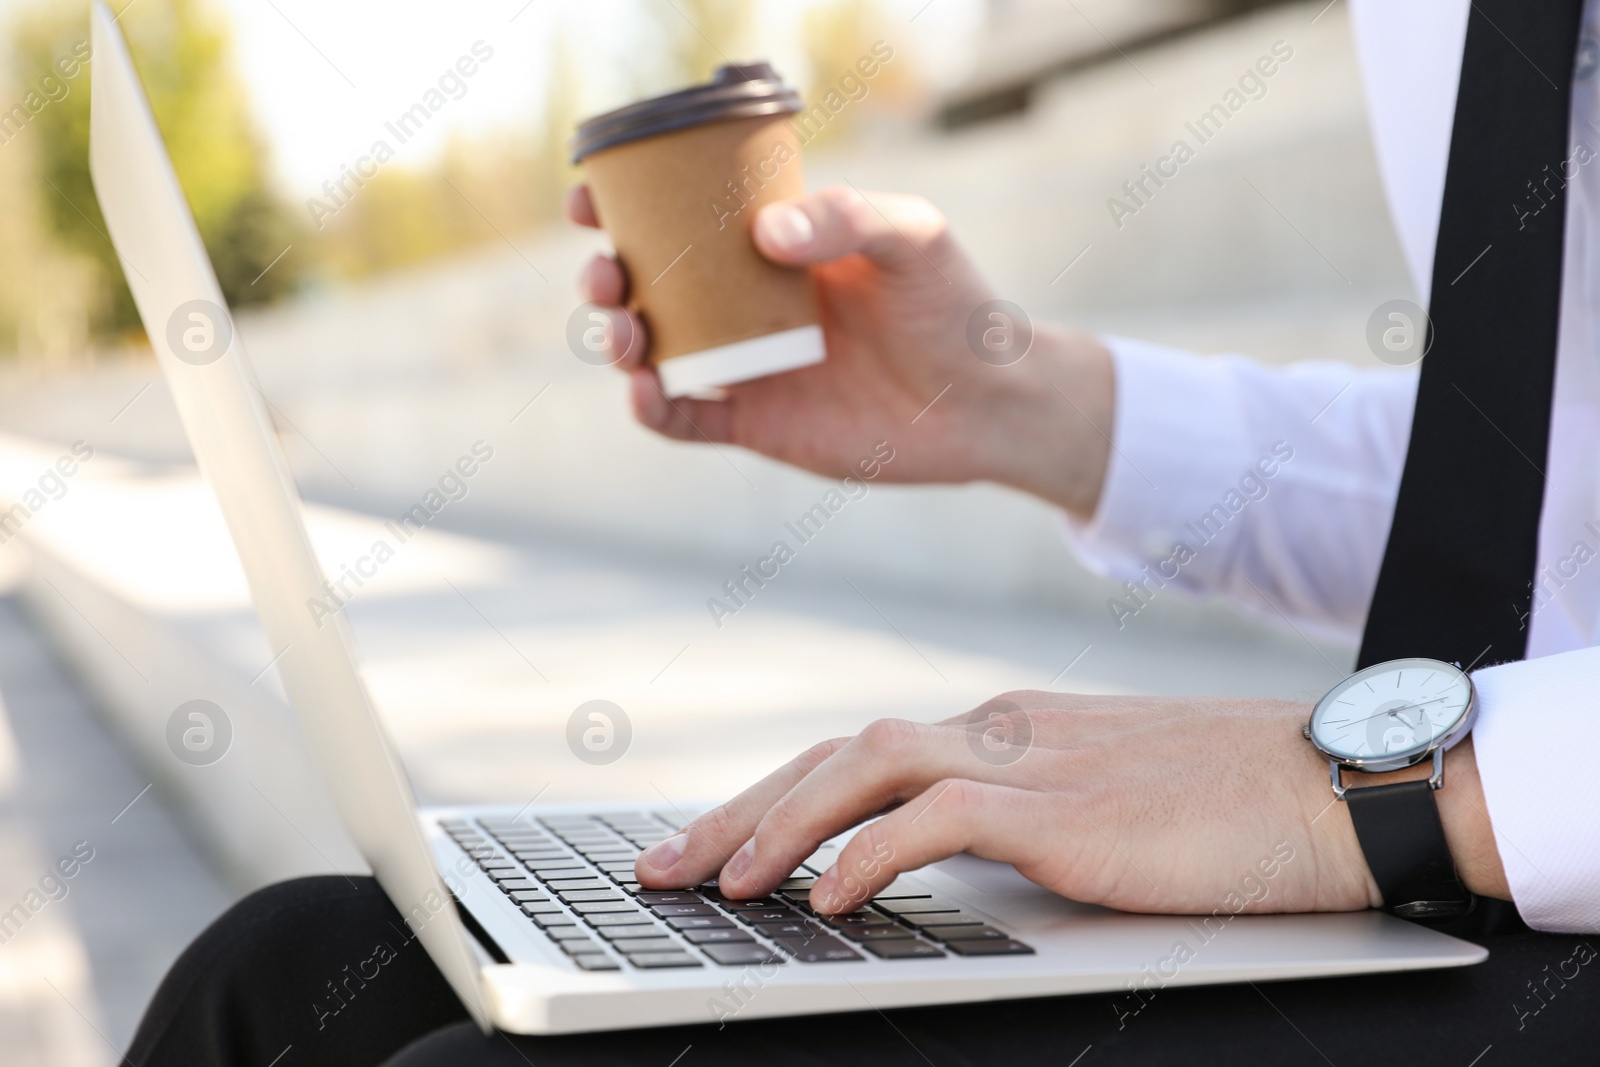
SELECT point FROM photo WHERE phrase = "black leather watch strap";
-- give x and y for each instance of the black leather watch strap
(1400, 833)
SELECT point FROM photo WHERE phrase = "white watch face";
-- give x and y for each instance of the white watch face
(1391, 710)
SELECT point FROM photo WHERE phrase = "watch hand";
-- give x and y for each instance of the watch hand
(1396, 711)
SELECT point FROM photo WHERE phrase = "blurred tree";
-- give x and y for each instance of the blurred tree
(482, 189)
(485, 189)
(837, 35)
(43, 287)
(181, 50)
(562, 112)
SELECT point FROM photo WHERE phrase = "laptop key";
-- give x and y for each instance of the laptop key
(553, 918)
(597, 962)
(876, 933)
(563, 874)
(857, 918)
(527, 896)
(578, 946)
(572, 896)
(613, 931)
(902, 950)
(768, 915)
(684, 897)
(818, 949)
(742, 955)
(965, 933)
(569, 933)
(715, 936)
(943, 918)
(513, 885)
(903, 887)
(630, 946)
(619, 918)
(751, 905)
(570, 884)
(654, 960)
(701, 922)
(1006, 947)
(543, 907)
(600, 907)
(671, 910)
(789, 929)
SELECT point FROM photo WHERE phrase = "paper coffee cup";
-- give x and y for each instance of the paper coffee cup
(677, 181)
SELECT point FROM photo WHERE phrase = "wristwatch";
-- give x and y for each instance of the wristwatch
(1384, 718)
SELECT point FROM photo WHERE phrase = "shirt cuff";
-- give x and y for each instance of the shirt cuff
(1153, 489)
(1536, 736)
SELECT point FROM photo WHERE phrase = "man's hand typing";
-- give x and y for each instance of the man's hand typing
(1140, 803)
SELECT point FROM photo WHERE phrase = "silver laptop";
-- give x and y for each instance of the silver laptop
(533, 915)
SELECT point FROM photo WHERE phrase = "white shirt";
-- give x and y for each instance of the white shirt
(1305, 543)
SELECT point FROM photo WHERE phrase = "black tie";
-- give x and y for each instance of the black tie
(1455, 582)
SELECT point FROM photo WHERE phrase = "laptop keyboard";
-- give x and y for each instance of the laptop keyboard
(572, 876)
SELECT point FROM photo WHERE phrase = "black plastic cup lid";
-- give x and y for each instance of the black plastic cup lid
(736, 91)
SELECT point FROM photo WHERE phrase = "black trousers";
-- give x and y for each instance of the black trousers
(322, 971)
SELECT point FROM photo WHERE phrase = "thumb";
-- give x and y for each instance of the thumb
(894, 231)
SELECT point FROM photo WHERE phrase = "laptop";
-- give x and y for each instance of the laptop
(532, 913)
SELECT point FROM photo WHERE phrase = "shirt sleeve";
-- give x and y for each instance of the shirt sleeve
(1271, 486)
(1536, 732)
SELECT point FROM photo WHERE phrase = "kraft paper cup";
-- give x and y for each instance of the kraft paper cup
(677, 181)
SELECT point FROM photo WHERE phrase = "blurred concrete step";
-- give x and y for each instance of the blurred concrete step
(77, 974)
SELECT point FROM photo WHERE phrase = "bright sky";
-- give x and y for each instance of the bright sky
(325, 75)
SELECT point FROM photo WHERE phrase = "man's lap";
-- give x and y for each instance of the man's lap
(300, 965)
(1447, 1017)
